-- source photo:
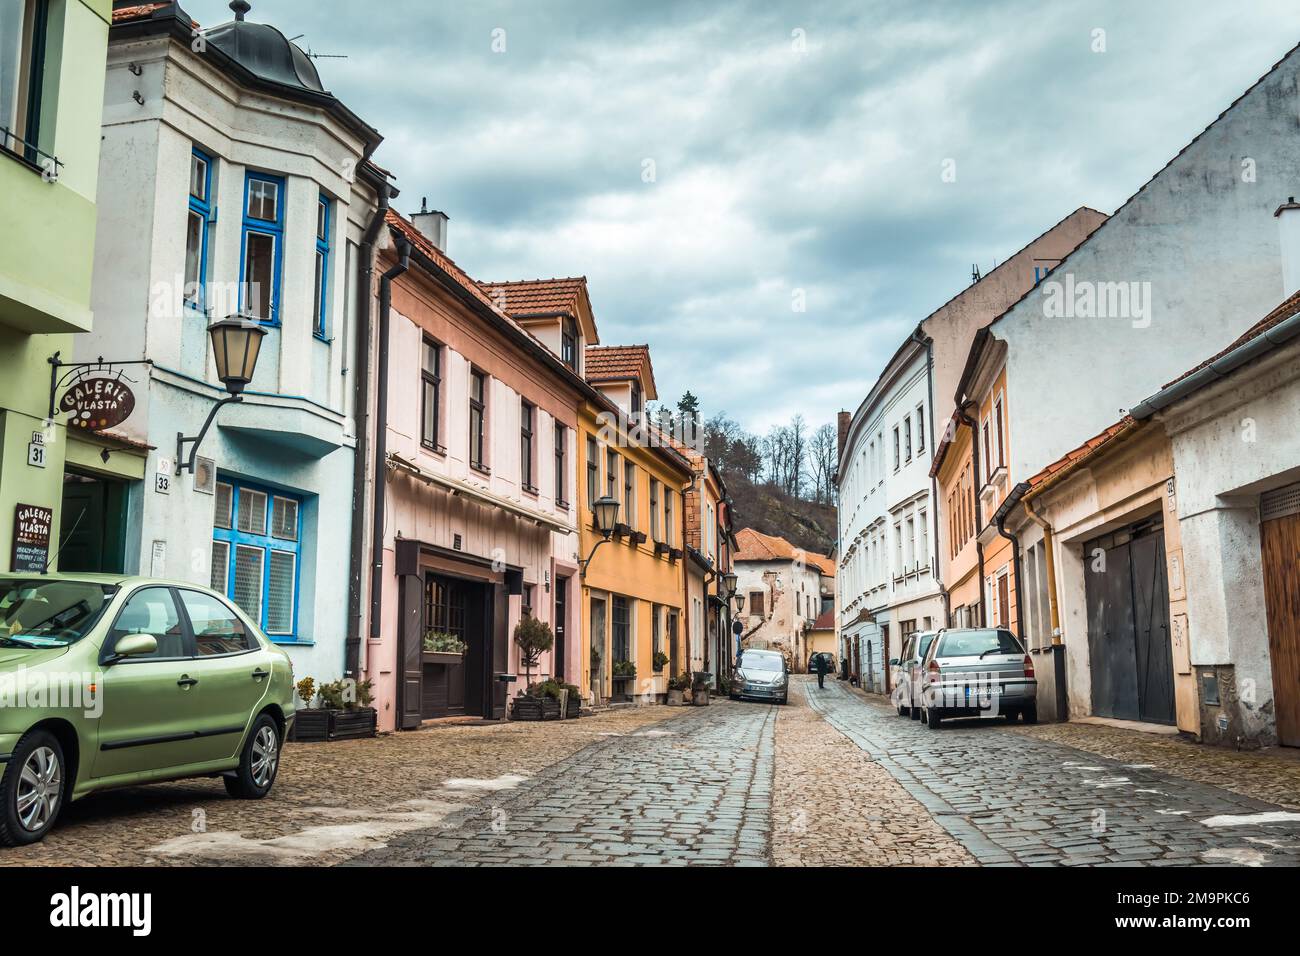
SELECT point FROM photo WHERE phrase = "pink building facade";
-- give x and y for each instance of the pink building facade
(478, 513)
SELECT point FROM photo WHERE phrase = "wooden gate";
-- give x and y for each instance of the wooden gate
(1130, 655)
(1280, 552)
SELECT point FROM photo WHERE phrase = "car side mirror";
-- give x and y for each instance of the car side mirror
(893, 662)
(134, 645)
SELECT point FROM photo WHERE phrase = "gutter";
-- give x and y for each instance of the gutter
(381, 436)
(999, 519)
(1221, 367)
(360, 413)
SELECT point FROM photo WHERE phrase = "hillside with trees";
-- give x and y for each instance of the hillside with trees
(781, 483)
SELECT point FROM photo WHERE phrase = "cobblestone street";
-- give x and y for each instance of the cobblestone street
(834, 778)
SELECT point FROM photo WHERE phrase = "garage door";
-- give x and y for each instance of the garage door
(1129, 651)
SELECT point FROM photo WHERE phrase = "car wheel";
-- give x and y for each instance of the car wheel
(932, 718)
(1011, 714)
(33, 787)
(1031, 714)
(902, 710)
(914, 713)
(258, 763)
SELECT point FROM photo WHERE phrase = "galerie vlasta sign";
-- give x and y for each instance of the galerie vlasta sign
(97, 402)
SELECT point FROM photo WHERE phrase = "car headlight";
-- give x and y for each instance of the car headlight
(779, 679)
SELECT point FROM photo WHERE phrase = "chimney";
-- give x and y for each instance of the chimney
(842, 424)
(1288, 226)
(432, 224)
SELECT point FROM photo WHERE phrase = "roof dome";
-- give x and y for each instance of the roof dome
(264, 51)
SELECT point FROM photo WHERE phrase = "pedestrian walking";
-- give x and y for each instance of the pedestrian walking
(821, 665)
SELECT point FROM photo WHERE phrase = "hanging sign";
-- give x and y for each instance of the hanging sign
(31, 538)
(97, 402)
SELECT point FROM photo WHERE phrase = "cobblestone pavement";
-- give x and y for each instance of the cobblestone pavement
(1012, 798)
(832, 805)
(1269, 775)
(693, 790)
(330, 801)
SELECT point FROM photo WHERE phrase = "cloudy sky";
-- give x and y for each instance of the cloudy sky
(708, 166)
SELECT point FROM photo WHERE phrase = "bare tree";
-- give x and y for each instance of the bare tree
(822, 459)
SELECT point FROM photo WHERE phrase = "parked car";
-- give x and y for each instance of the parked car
(141, 680)
(906, 673)
(830, 661)
(761, 675)
(974, 672)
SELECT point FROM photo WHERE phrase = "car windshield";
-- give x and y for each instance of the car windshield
(762, 661)
(975, 643)
(49, 612)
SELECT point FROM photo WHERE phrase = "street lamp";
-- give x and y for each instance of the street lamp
(740, 601)
(729, 582)
(606, 510)
(236, 344)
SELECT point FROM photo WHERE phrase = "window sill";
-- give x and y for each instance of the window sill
(439, 450)
(288, 640)
(481, 469)
(36, 168)
(532, 490)
(323, 339)
(561, 504)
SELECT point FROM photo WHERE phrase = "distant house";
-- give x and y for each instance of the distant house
(786, 589)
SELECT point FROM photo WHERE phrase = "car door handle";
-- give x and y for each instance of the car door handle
(260, 673)
(186, 681)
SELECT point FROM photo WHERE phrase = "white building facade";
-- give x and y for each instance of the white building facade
(233, 182)
(888, 578)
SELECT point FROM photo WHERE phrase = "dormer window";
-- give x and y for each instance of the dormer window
(636, 398)
(569, 344)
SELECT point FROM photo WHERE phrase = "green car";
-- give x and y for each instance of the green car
(110, 681)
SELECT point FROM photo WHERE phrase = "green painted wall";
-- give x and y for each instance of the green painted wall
(47, 241)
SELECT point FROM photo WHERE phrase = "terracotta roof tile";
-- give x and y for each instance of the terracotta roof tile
(428, 249)
(753, 545)
(526, 297)
(611, 363)
(825, 621)
(139, 11)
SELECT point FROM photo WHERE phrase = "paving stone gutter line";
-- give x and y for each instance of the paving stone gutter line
(985, 851)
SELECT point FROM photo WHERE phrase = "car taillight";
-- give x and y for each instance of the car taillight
(1029, 666)
(933, 668)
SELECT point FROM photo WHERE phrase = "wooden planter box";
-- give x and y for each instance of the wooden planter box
(534, 708)
(316, 724)
(575, 706)
(441, 657)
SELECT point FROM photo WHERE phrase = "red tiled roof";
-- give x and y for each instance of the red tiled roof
(526, 297)
(825, 621)
(613, 363)
(753, 545)
(139, 11)
(428, 249)
(1087, 450)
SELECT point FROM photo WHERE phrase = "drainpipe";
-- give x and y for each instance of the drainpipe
(381, 436)
(1058, 653)
(360, 413)
(975, 497)
(1000, 518)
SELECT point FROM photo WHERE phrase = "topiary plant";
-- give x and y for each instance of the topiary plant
(660, 661)
(533, 637)
(306, 690)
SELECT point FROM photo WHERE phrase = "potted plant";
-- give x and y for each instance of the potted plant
(345, 712)
(533, 637)
(660, 661)
(443, 647)
(540, 701)
(677, 686)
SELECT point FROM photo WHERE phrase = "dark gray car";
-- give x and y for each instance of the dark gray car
(978, 672)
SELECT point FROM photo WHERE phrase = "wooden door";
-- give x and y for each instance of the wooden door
(1112, 651)
(561, 627)
(410, 647)
(1152, 646)
(1280, 547)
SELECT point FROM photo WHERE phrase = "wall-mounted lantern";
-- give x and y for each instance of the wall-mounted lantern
(606, 511)
(236, 344)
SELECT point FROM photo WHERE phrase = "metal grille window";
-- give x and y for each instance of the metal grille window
(527, 415)
(256, 563)
(593, 471)
(431, 394)
(477, 413)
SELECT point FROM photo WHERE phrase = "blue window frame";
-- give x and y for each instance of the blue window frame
(322, 264)
(262, 247)
(256, 555)
(197, 220)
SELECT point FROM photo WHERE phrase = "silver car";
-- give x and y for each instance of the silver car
(906, 673)
(977, 672)
(760, 675)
